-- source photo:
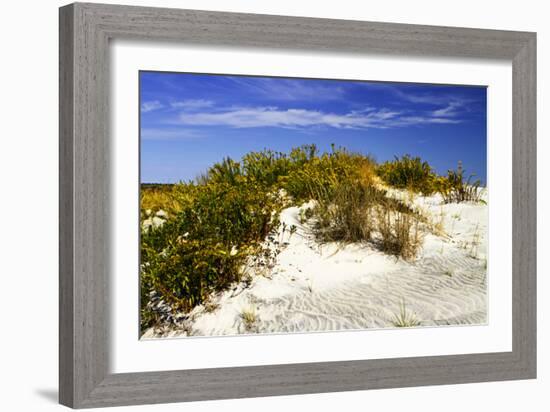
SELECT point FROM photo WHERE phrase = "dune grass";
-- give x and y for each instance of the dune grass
(405, 319)
(249, 318)
(455, 188)
(214, 226)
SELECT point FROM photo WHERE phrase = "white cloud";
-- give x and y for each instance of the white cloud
(151, 105)
(192, 104)
(416, 120)
(170, 134)
(302, 118)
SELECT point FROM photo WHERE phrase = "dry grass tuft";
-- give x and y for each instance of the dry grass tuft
(249, 318)
(400, 234)
(405, 319)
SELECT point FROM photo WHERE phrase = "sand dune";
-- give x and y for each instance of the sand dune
(315, 287)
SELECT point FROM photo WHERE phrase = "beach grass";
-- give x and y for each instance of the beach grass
(207, 230)
(404, 318)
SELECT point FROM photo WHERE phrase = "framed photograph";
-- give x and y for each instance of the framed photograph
(256, 205)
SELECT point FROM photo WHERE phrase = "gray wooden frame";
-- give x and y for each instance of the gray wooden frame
(85, 31)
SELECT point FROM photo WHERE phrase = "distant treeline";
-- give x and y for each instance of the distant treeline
(153, 186)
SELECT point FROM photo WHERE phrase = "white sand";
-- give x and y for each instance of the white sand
(332, 287)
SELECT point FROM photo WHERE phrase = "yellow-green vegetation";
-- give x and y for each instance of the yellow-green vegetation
(409, 173)
(418, 176)
(399, 231)
(211, 228)
(204, 246)
(454, 189)
(405, 319)
(249, 318)
(155, 197)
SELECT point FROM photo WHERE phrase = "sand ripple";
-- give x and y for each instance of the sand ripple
(436, 291)
(330, 287)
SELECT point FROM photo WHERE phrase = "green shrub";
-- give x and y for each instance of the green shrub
(408, 173)
(266, 167)
(203, 248)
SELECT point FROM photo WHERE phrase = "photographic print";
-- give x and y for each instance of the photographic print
(293, 205)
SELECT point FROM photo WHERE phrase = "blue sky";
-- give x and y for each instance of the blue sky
(190, 121)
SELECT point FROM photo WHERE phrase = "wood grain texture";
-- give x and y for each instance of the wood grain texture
(66, 194)
(85, 31)
(524, 225)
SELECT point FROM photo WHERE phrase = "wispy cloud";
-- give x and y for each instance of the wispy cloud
(432, 98)
(192, 104)
(289, 89)
(447, 105)
(451, 110)
(302, 118)
(151, 105)
(420, 98)
(418, 120)
(174, 133)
